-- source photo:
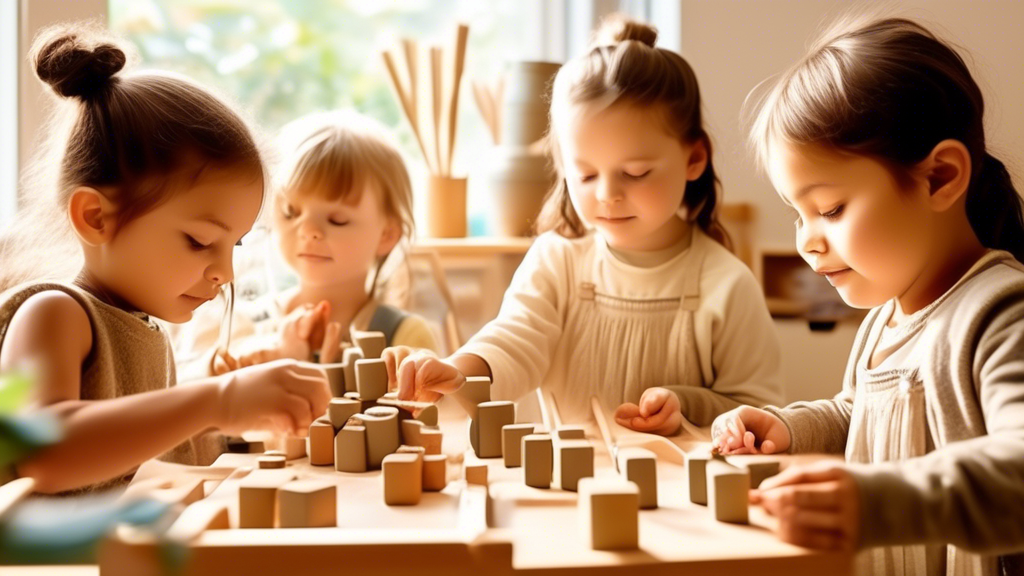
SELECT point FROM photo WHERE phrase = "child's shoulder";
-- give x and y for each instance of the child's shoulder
(995, 281)
(721, 270)
(50, 311)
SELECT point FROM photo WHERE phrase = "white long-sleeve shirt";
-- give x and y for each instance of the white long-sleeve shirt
(578, 321)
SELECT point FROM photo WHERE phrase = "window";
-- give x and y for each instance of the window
(8, 111)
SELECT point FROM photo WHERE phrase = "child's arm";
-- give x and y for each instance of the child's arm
(105, 438)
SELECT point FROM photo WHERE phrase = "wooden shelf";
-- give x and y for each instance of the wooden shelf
(474, 245)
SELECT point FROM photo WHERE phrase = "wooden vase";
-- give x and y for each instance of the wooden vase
(446, 207)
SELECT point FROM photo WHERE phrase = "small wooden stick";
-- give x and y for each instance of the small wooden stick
(438, 103)
(549, 411)
(461, 37)
(482, 96)
(602, 423)
(403, 99)
(402, 403)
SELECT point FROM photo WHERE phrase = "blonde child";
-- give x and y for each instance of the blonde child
(630, 295)
(342, 203)
(159, 180)
(876, 139)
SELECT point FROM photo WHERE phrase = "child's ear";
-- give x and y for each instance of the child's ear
(389, 237)
(948, 173)
(698, 161)
(93, 216)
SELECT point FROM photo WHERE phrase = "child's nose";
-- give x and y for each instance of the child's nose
(310, 231)
(810, 241)
(608, 191)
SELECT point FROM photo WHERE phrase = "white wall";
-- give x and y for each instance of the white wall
(735, 44)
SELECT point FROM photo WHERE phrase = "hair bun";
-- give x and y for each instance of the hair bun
(75, 65)
(617, 28)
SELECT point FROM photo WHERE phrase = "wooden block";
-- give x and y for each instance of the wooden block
(270, 462)
(350, 449)
(382, 436)
(435, 472)
(696, 473)
(574, 460)
(321, 443)
(275, 453)
(728, 489)
(371, 378)
(364, 405)
(476, 474)
(476, 390)
(571, 433)
(341, 409)
(406, 449)
(431, 440)
(538, 460)
(403, 479)
(609, 513)
(242, 446)
(760, 470)
(428, 415)
(511, 443)
(639, 466)
(485, 432)
(308, 504)
(257, 498)
(371, 343)
(335, 377)
(294, 447)
(411, 431)
(349, 357)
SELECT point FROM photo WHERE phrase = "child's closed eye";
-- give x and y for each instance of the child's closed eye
(337, 223)
(195, 244)
(834, 213)
(640, 176)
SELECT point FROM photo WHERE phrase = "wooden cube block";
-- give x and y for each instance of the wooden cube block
(257, 497)
(428, 415)
(406, 449)
(321, 443)
(350, 448)
(639, 466)
(294, 447)
(728, 489)
(371, 378)
(435, 472)
(403, 479)
(348, 361)
(382, 436)
(574, 460)
(308, 504)
(760, 470)
(485, 432)
(476, 390)
(270, 462)
(341, 409)
(571, 433)
(364, 405)
(371, 343)
(431, 439)
(609, 510)
(696, 473)
(538, 460)
(511, 443)
(476, 474)
(335, 377)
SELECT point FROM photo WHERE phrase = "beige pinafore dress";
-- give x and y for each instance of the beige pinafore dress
(890, 423)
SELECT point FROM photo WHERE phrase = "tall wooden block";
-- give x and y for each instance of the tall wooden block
(538, 460)
(574, 460)
(428, 415)
(609, 510)
(371, 343)
(728, 489)
(696, 474)
(476, 390)
(490, 419)
(382, 436)
(270, 462)
(476, 474)
(294, 447)
(335, 377)
(341, 409)
(639, 466)
(430, 439)
(371, 378)
(348, 360)
(571, 433)
(511, 443)
(364, 404)
(257, 497)
(321, 443)
(308, 504)
(760, 470)
(403, 479)
(350, 448)
(435, 472)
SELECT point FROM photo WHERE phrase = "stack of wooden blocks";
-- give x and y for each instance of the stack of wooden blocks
(723, 485)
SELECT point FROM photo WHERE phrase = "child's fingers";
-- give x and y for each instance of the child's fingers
(810, 538)
(768, 447)
(332, 343)
(650, 403)
(803, 475)
(299, 411)
(625, 413)
(406, 380)
(748, 441)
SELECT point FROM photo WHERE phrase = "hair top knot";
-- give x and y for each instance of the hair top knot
(75, 65)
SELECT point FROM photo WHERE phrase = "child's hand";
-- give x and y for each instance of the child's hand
(657, 413)
(303, 331)
(818, 505)
(283, 396)
(419, 374)
(749, 430)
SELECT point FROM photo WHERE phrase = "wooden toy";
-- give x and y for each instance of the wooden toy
(382, 436)
(307, 504)
(538, 460)
(574, 459)
(435, 472)
(639, 466)
(760, 470)
(257, 497)
(727, 491)
(485, 430)
(476, 390)
(270, 462)
(511, 443)
(609, 510)
(696, 474)
(403, 478)
(349, 358)
(476, 473)
(335, 377)
(371, 378)
(321, 443)
(571, 433)
(350, 447)
(341, 409)
(415, 433)
(371, 343)
(294, 447)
